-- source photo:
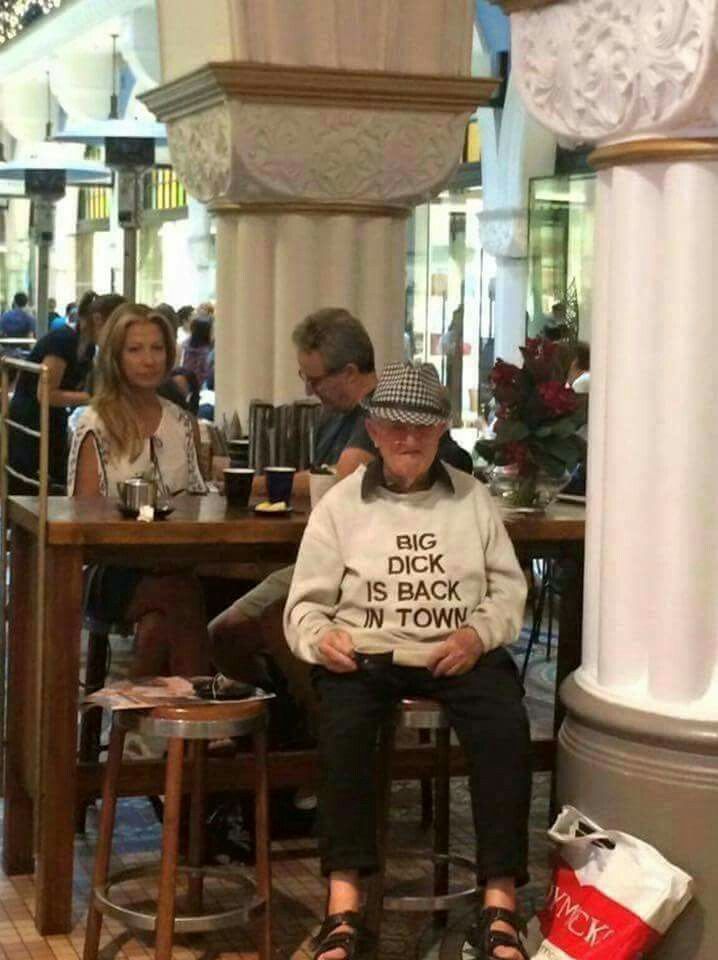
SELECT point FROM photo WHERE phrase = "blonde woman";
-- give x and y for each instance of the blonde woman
(128, 431)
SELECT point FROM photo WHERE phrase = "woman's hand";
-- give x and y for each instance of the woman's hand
(457, 654)
(336, 651)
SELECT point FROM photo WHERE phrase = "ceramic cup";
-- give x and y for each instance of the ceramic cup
(238, 486)
(319, 483)
(279, 483)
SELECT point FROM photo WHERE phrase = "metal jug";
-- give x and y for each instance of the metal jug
(136, 493)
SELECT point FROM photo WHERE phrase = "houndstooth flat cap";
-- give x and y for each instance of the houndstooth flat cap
(409, 393)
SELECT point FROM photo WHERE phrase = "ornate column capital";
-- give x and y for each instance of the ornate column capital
(612, 71)
(504, 233)
(258, 135)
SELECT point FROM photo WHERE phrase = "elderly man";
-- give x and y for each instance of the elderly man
(409, 556)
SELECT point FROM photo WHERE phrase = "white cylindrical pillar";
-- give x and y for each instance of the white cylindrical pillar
(653, 531)
(276, 269)
(510, 315)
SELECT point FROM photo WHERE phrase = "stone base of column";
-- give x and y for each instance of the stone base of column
(655, 777)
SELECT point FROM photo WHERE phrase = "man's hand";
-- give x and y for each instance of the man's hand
(336, 651)
(457, 654)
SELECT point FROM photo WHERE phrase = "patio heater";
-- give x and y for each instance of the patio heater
(129, 151)
(44, 182)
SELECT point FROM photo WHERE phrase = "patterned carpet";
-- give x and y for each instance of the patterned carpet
(298, 890)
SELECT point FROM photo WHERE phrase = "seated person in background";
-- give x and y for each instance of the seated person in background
(196, 351)
(181, 387)
(17, 322)
(579, 373)
(409, 556)
(130, 431)
(68, 354)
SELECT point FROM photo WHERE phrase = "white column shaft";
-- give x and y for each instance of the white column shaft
(510, 314)
(273, 270)
(652, 530)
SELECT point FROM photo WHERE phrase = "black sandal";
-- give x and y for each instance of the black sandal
(486, 940)
(352, 940)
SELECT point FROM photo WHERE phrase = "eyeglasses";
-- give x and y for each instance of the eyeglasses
(314, 382)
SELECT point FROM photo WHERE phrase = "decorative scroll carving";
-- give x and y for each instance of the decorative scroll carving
(201, 152)
(252, 152)
(597, 70)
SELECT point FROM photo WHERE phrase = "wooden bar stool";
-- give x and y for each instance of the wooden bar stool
(197, 724)
(424, 716)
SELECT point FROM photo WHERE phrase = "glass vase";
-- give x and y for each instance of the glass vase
(532, 491)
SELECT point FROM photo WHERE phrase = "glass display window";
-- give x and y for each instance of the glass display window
(449, 297)
(561, 239)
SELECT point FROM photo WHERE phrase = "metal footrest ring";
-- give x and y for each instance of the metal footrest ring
(428, 904)
(251, 906)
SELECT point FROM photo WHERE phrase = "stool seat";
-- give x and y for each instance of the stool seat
(422, 714)
(195, 723)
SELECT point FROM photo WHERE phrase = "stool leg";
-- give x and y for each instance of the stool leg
(427, 795)
(104, 840)
(195, 853)
(91, 720)
(262, 842)
(375, 886)
(170, 848)
(441, 817)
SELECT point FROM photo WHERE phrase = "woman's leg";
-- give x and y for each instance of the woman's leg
(171, 633)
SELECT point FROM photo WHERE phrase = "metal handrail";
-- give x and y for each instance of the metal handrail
(40, 371)
(17, 341)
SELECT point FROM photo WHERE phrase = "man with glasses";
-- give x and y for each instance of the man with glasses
(336, 363)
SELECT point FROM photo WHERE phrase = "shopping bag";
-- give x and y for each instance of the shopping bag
(612, 896)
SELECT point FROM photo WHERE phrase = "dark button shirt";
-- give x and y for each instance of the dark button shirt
(374, 477)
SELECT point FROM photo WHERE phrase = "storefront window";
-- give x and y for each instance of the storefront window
(561, 224)
(449, 305)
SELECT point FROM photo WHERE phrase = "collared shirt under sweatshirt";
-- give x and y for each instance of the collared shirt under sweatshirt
(400, 571)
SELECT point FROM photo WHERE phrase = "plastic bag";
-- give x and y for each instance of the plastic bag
(612, 896)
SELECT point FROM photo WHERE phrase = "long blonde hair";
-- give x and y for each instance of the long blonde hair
(113, 399)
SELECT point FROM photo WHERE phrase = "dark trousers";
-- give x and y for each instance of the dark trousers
(485, 708)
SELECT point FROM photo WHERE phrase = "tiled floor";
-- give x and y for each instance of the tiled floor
(298, 891)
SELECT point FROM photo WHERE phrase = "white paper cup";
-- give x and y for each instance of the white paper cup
(319, 483)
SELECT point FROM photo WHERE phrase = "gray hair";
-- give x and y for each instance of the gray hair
(338, 336)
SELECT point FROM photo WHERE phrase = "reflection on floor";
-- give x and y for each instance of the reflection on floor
(298, 890)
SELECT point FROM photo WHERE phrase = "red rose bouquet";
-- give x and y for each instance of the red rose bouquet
(537, 421)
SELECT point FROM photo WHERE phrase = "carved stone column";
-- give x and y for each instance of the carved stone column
(639, 749)
(512, 153)
(312, 149)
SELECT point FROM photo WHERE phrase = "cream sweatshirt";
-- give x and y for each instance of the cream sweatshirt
(400, 572)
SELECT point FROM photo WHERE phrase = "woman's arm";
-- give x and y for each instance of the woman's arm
(56, 367)
(87, 475)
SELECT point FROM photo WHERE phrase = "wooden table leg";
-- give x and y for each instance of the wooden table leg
(568, 657)
(17, 852)
(58, 766)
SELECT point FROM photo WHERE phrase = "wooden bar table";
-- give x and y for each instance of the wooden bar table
(41, 792)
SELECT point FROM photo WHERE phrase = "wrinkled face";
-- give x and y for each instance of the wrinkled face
(144, 359)
(408, 451)
(331, 386)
